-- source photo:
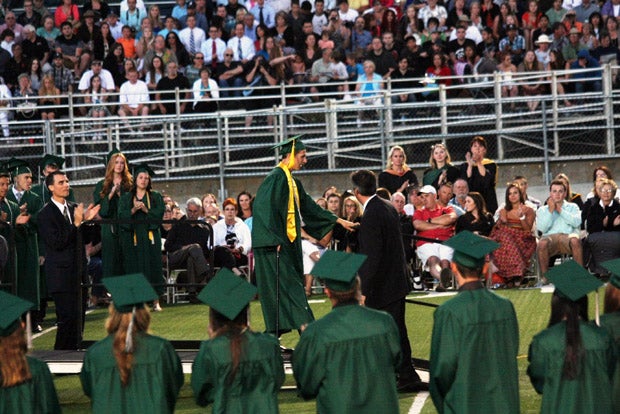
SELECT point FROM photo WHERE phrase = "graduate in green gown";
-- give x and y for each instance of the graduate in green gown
(140, 241)
(26, 384)
(348, 359)
(573, 361)
(130, 371)
(475, 340)
(48, 164)
(11, 221)
(29, 285)
(611, 320)
(280, 206)
(237, 370)
(117, 182)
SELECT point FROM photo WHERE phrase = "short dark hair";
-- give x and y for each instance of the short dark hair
(365, 181)
(480, 140)
(49, 180)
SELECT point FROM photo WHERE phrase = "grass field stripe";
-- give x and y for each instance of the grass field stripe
(418, 402)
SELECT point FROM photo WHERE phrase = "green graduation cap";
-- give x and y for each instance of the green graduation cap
(11, 310)
(109, 155)
(129, 291)
(17, 167)
(470, 249)
(572, 280)
(227, 293)
(137, 169)
(338, 269)
(50, 159)
(287, 146)
(614, 267)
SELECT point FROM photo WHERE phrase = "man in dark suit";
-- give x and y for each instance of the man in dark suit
(384, 274)
(65, 260)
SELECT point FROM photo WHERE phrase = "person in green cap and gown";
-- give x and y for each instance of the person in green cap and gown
(26, 384)
(280, 206)
(117, 182)
(140, 241)
(48, 164)
(611, 320)
(130, 371)
(469, 372)
(572, 362)
(11, 219)
(29, 285)
(237, 370)
(348, 359)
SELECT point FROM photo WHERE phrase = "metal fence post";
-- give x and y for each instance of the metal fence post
(220, 154)
(545, 141)
(331, 132)
(443, 109)
(499, 124)
(608, 108)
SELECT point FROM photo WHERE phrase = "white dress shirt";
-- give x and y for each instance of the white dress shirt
(247, 48)
(199, 37)
(207, 49)
(107, 81)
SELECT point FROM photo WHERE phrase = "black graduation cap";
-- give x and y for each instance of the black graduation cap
(50, 159)
(108, 156)
(17, 167)
(137, 169)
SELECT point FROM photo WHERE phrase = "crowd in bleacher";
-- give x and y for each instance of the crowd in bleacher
(214, 47)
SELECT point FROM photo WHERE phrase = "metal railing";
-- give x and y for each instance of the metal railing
(342, 134)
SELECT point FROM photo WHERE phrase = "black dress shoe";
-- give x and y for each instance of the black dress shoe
(411, 386)
(37, 328)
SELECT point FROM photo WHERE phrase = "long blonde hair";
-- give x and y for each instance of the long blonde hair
(14, 368)
(117, 324)
(389, 159)
(432, 161)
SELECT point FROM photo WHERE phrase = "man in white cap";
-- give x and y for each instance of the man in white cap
(434, 222)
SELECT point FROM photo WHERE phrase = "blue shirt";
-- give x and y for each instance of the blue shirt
(568, 221)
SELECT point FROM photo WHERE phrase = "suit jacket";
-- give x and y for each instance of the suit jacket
(63, 254)
(384, 274)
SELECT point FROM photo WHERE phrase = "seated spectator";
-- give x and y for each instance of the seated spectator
(67, 12)
(241, 45)
(96, 98)
(134, 99)
(556, 62)
(556, 12)
(461, 190)
(144, 42)
(170, 25)
(403, 80)
(35, 73)
(432, 9)
(99, 7)
(15, 66)
(589, 81)
(128, 42)
(513, 44)
(158, 49)
(192, 36)
(72, 50)
(383, 60)
(571, 196)
(529, 22)
(96, 68)
(559, 222)
(39, 7)
(165, 96)
(114, 63)
(155, 18)
(63, 78)
(116, 27)
(543, 51)
(459, 43)
(532, 85)
(48, 31)
(438, 69)
(180, 9)
(5, 102)
(367, 88)
(513, 231)
(229, 75)
(206, 92)
(187, 245)
(434, 222)
(544, 28)
(283, 32)
(155, 74)
(36, 47)
(445, 195)
(231, 232)
(49, 98)
(599, 172)
(213, 47)
(570, 50)
(174, 44)
(601, 217)
(90, 34)
(133, 16)
(264, 14)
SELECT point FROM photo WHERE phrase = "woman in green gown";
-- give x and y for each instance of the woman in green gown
(130, 371)
(26, 384)
(237, 370)
(141, 241)
(107, 193)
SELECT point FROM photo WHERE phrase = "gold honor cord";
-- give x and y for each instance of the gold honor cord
(291, 229)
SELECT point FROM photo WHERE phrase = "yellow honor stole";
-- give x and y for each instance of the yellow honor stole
(291, 229)
(151, 236)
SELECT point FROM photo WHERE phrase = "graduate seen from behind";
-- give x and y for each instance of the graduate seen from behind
(26, 384)
(469, 371)
(130, 370)
(572, 362)
(611, 319)
(348, 359)
(237, 370)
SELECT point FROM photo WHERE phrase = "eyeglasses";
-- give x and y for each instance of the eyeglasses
(607, 190)
(229, 54)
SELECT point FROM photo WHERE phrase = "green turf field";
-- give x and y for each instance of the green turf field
(190, 322)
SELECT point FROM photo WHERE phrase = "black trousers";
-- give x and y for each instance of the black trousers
(70, 320)
(406, 371)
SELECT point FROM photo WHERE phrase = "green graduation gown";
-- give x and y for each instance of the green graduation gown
(111, 257)
(10, 208)
(348, 360)
(591, 391)
(44, 193)
(29, 285)
(474, 346)
(154, 384)
(257, 381)
(611, 322)
(35, 396)
(141, 242)
(269, 231)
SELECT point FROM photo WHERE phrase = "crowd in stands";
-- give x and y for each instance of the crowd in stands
(244, 44)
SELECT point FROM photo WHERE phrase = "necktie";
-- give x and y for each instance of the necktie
(192, 45)
(66, 214)
(261, 18)
(19, 196)
(213, 53)
(239, 48)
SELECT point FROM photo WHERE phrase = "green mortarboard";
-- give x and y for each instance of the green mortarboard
(227, 293)
(17, 167)
(286, 146)
(11, 310)
(614, 267)
(50, 159)
(338, 269)
(109, 155)
(470, 249)
(572, 280)
(129, 291)
(137, 169)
